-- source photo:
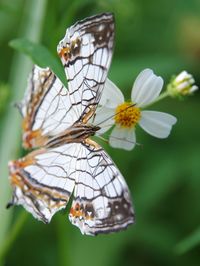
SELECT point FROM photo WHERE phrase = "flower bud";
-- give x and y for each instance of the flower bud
(182, 85)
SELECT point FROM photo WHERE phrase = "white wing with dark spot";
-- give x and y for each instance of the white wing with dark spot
(44, 180)
(86, 53)
(46, 108)
(102, 201)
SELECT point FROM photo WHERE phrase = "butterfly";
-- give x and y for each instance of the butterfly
(56, 124)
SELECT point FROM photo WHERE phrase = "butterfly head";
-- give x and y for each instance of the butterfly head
(88, 130)
(96, 128)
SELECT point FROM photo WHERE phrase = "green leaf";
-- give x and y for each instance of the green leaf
(4, 96)
(40, 55)
(189, 242)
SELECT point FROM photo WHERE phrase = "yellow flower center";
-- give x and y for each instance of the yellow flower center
(127, 115)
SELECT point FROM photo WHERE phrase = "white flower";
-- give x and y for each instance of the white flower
(182, 85)
(126, 115)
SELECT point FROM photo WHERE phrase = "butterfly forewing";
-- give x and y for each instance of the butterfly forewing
(86, 53)
(69, 162)
(46, 108)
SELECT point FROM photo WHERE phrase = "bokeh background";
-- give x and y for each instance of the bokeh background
(163, 175)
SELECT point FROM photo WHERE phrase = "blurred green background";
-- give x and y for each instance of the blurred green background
(163, 175)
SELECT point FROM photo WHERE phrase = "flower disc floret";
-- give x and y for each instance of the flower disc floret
(127, 115)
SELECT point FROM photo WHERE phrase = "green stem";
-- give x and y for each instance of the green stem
(31, 28)
(160, 97)
(63, 234)
(15, 230)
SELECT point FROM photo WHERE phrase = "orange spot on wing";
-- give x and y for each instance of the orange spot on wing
(15, 165)
(89, 114)
(79, 212)
(65, 53)
(33, 139)
(92, 143)
(17, 179)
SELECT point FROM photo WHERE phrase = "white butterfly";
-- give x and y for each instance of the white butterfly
(56, 120)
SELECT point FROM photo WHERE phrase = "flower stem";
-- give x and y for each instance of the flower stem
(63, 234)
(13, 234)
(160, 97)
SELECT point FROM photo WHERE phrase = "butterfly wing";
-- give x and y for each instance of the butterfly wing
(102, 201)
(48, 108)
(44, 180)
(86, 53)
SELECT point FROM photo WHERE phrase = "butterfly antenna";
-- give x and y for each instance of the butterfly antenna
(18, 105)
(104, 139)
(115, 114)
(128, 141)
(125, 140)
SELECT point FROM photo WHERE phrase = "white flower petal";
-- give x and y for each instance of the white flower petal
(112, 96)
(193, 89)
(142, 77)
(104, 118)
(157, 124)
(123, 138)
(146, 88)
(183, 76)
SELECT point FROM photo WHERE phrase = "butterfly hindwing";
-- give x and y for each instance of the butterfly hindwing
(43, 180)
(102, 201)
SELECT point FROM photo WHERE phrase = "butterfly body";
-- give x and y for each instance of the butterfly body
(56, 124)
(78, 133)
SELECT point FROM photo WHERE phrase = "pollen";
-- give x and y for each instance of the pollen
(127, 115)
